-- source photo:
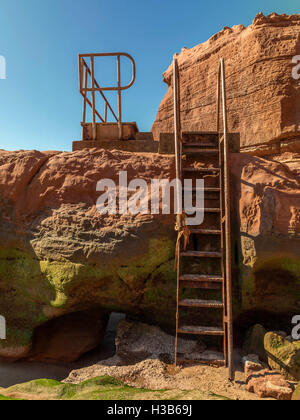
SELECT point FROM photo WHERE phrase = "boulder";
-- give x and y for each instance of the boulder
(59, 256)
(264, 382)
(283, 355)
(252, 365)
(267, 384)
(136, 341)
(262, 94)
(254, 342)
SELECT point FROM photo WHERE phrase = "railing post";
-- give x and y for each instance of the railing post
(93, 98)
(84, 100)
(119, 99)
(105, 112)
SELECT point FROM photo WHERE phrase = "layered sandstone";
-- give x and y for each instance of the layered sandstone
(263, 96)
(59, 256)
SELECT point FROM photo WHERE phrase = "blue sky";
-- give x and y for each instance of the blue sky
(41, 107)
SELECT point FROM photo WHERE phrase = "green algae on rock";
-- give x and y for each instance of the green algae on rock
(296, 394)
(99, 388)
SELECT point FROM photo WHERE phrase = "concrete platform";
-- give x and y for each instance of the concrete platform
(139, 146)
(109, 131)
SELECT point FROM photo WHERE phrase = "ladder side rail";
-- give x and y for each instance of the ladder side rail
(178, 155)
(93, 98)
(222, 214)
(227, 227)
(177, 139)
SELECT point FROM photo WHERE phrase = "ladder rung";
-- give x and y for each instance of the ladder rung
(207, 210)
(205, 189)
(201, 361)
(201, 169)
(208, 189)
(205, 231)
(208, 254)
(200, 151)
(200, 144)
(200, 278)
(200, 303)
(200, 330)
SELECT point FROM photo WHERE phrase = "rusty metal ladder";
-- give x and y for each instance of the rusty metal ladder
(205, 145)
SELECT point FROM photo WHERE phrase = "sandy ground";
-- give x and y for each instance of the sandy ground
(150, 373)
(156, 375)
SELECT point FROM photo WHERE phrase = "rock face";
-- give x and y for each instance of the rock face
(268, 209)
(254, 342)
(59, 256)
(262, 94)
(283, 355)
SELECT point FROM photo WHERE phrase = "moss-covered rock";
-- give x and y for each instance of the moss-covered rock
(100, 388)
(296, 394)
(283, 355)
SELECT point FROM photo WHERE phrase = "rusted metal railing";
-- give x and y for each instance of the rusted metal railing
(87, 73)
(225, 217)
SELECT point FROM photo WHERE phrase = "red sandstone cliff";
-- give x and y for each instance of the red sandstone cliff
(58, 256)
(263, 97)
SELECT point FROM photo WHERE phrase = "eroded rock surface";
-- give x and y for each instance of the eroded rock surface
(59, 256)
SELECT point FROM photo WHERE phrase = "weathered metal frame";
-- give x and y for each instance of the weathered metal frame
(86, 71)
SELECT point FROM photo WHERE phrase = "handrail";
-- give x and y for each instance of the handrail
(88, 71)
(226, 239)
